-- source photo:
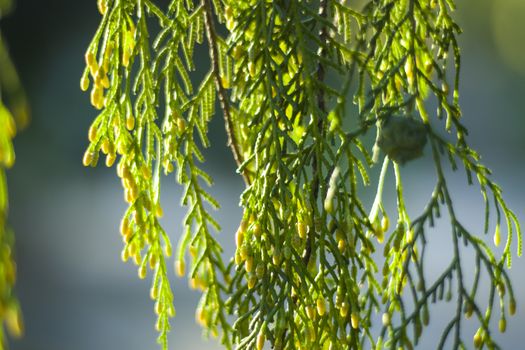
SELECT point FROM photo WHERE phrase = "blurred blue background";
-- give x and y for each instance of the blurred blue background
(75, 291)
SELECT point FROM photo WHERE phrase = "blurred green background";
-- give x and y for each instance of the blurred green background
(74, 290)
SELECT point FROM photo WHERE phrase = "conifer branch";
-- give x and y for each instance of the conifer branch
(14, 116)
(304, 274)
(211, 34)
(323, 8)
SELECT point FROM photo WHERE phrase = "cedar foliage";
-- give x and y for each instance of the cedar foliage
(305, 273)
(14, 114)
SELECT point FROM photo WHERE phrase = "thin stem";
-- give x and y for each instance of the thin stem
(221, 91)
(323, 12)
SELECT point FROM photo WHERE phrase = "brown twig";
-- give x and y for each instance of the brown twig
(211, 35)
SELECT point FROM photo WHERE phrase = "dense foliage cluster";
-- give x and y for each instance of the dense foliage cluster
(305, 274)
(13, 115)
